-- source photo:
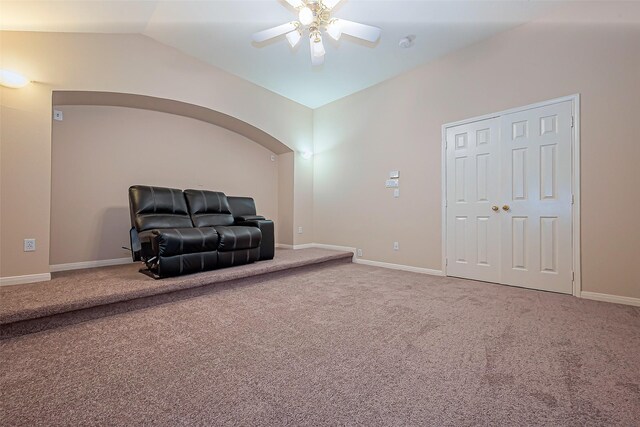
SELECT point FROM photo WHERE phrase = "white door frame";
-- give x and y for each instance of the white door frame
(575, 179)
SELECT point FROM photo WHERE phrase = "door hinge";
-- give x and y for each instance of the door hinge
(446, 261)
(573, 199)
(573, 121)
(573, 276)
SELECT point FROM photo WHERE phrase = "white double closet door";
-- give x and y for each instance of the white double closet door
(509, 199)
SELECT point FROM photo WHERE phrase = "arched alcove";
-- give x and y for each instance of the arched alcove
(171, 106)
(109, 141)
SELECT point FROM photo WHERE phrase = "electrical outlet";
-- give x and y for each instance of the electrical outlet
(57, 115)
(359, 252)
(299, 230)
(396, 193)
(29, 245)
(396, 246)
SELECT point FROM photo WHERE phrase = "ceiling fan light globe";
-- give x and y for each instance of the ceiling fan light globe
(334, 30)
(305, 16)
(317, 48)
(293, 38)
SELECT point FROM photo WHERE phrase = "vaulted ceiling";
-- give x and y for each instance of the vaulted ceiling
(219, 32)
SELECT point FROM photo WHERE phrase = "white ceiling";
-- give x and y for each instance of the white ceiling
(219, 32)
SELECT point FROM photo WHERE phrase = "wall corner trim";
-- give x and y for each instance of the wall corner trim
(89, 264)
(22, 280)
(610, 298)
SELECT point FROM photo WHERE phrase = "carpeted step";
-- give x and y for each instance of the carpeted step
(80, 295)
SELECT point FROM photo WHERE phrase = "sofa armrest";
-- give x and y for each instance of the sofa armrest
(268, 243)
(249, 218)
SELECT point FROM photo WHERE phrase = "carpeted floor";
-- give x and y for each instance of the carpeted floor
(342, 345)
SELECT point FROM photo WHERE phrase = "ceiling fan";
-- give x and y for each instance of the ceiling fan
(314, 16)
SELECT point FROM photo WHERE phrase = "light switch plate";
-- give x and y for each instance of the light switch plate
(394, 174)
(392, 183)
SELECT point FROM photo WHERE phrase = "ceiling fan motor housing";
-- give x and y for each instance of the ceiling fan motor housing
(321, 14)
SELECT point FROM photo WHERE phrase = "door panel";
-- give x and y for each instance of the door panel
(473, 159)
(519, 242)
(482, 239)
(536, 229)
(549, 244)
(519, 173)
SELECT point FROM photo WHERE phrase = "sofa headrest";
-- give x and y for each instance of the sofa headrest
(158, 207)
(208, 208)
(241, 206)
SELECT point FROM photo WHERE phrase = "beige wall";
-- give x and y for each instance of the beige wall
(116, 63)
(98, 152)
(338, 197)
(397, 125)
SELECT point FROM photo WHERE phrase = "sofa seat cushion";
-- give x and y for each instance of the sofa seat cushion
(236, 237)
(180, 241)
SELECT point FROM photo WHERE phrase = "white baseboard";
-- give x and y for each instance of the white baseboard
(611, 298)
(334, 247)
(399, 267)
(89, 264)
(304, 246)
(366, 261)
(27, 278)
(283, 246)
(337, 248)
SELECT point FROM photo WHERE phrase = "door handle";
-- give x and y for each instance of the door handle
(506, 208)
(495, 208)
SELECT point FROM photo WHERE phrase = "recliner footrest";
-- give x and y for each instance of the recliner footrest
(242, 256)
(233, 238)
(180, 241)
(188, 263)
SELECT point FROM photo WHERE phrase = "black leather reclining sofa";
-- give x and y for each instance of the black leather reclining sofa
(179, 232)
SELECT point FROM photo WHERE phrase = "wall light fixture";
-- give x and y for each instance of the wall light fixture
(12, 79)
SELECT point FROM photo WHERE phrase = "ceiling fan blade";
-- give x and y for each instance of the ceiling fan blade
(261, 36)
(295, 3)
(330, 4)
(361, 31)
